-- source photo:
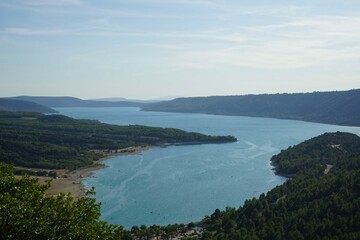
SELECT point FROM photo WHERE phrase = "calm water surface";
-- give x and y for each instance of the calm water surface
(180, 184)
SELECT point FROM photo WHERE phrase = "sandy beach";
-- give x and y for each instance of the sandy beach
(68, 181)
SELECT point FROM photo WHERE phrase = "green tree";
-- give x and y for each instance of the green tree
(26, 213)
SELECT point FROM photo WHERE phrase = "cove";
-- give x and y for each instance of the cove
(180, 184)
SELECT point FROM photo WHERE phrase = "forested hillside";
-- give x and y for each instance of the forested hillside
(340, 107)
(315, 204)
(24, 106)
(315, 153)
(56, 141)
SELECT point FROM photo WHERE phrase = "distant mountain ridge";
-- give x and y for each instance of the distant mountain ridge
(23, 106)
(117, 99)
(75, 102)
(110, 99)
(339, 107)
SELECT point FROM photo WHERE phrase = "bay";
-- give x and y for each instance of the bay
(180, 184)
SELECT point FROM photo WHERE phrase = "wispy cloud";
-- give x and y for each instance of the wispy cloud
(33, 4)
(235, 38)
(33, 32)
(150, 40)
(272, 56)
(295, 44)
(50, 2)
(294, 40)
(212, 3)
(271, 11)
(99, 28)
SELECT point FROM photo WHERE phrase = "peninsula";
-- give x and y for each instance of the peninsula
(47, 145)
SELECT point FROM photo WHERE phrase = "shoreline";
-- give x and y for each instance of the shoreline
(70, 181)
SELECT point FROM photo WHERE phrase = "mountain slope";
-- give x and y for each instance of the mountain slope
(23, 106)
(316, 152)
(315, 204)
(341, 107)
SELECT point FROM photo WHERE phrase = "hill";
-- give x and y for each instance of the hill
(315, 153)
(23, 106)
(56, 141)
(75, 102)
(340, 107)
(315, 204)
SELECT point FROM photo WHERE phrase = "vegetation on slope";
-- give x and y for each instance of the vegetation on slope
(316, 152)
(312, 205)
(24, 106)
(26, 213)
(341, 108)
(56, 141)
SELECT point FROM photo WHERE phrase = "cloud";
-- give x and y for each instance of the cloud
(288, 37)
(299, 43)
(50, 2)
(212, 3)
(272, 11)
(272, 56)
(324, 32)
(31, 4)
(33, 32)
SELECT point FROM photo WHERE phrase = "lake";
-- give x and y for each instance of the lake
(181, 184)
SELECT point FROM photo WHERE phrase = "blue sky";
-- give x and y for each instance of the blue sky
(147, 49)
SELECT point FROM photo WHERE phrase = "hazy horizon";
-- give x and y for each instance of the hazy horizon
(149, 49)
(164, 98)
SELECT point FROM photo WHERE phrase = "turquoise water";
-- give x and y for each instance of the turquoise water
(180, 184)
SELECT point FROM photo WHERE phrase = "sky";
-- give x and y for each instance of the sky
(146, 49)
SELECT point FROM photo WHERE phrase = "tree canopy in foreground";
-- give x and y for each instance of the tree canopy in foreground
(26, 213)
